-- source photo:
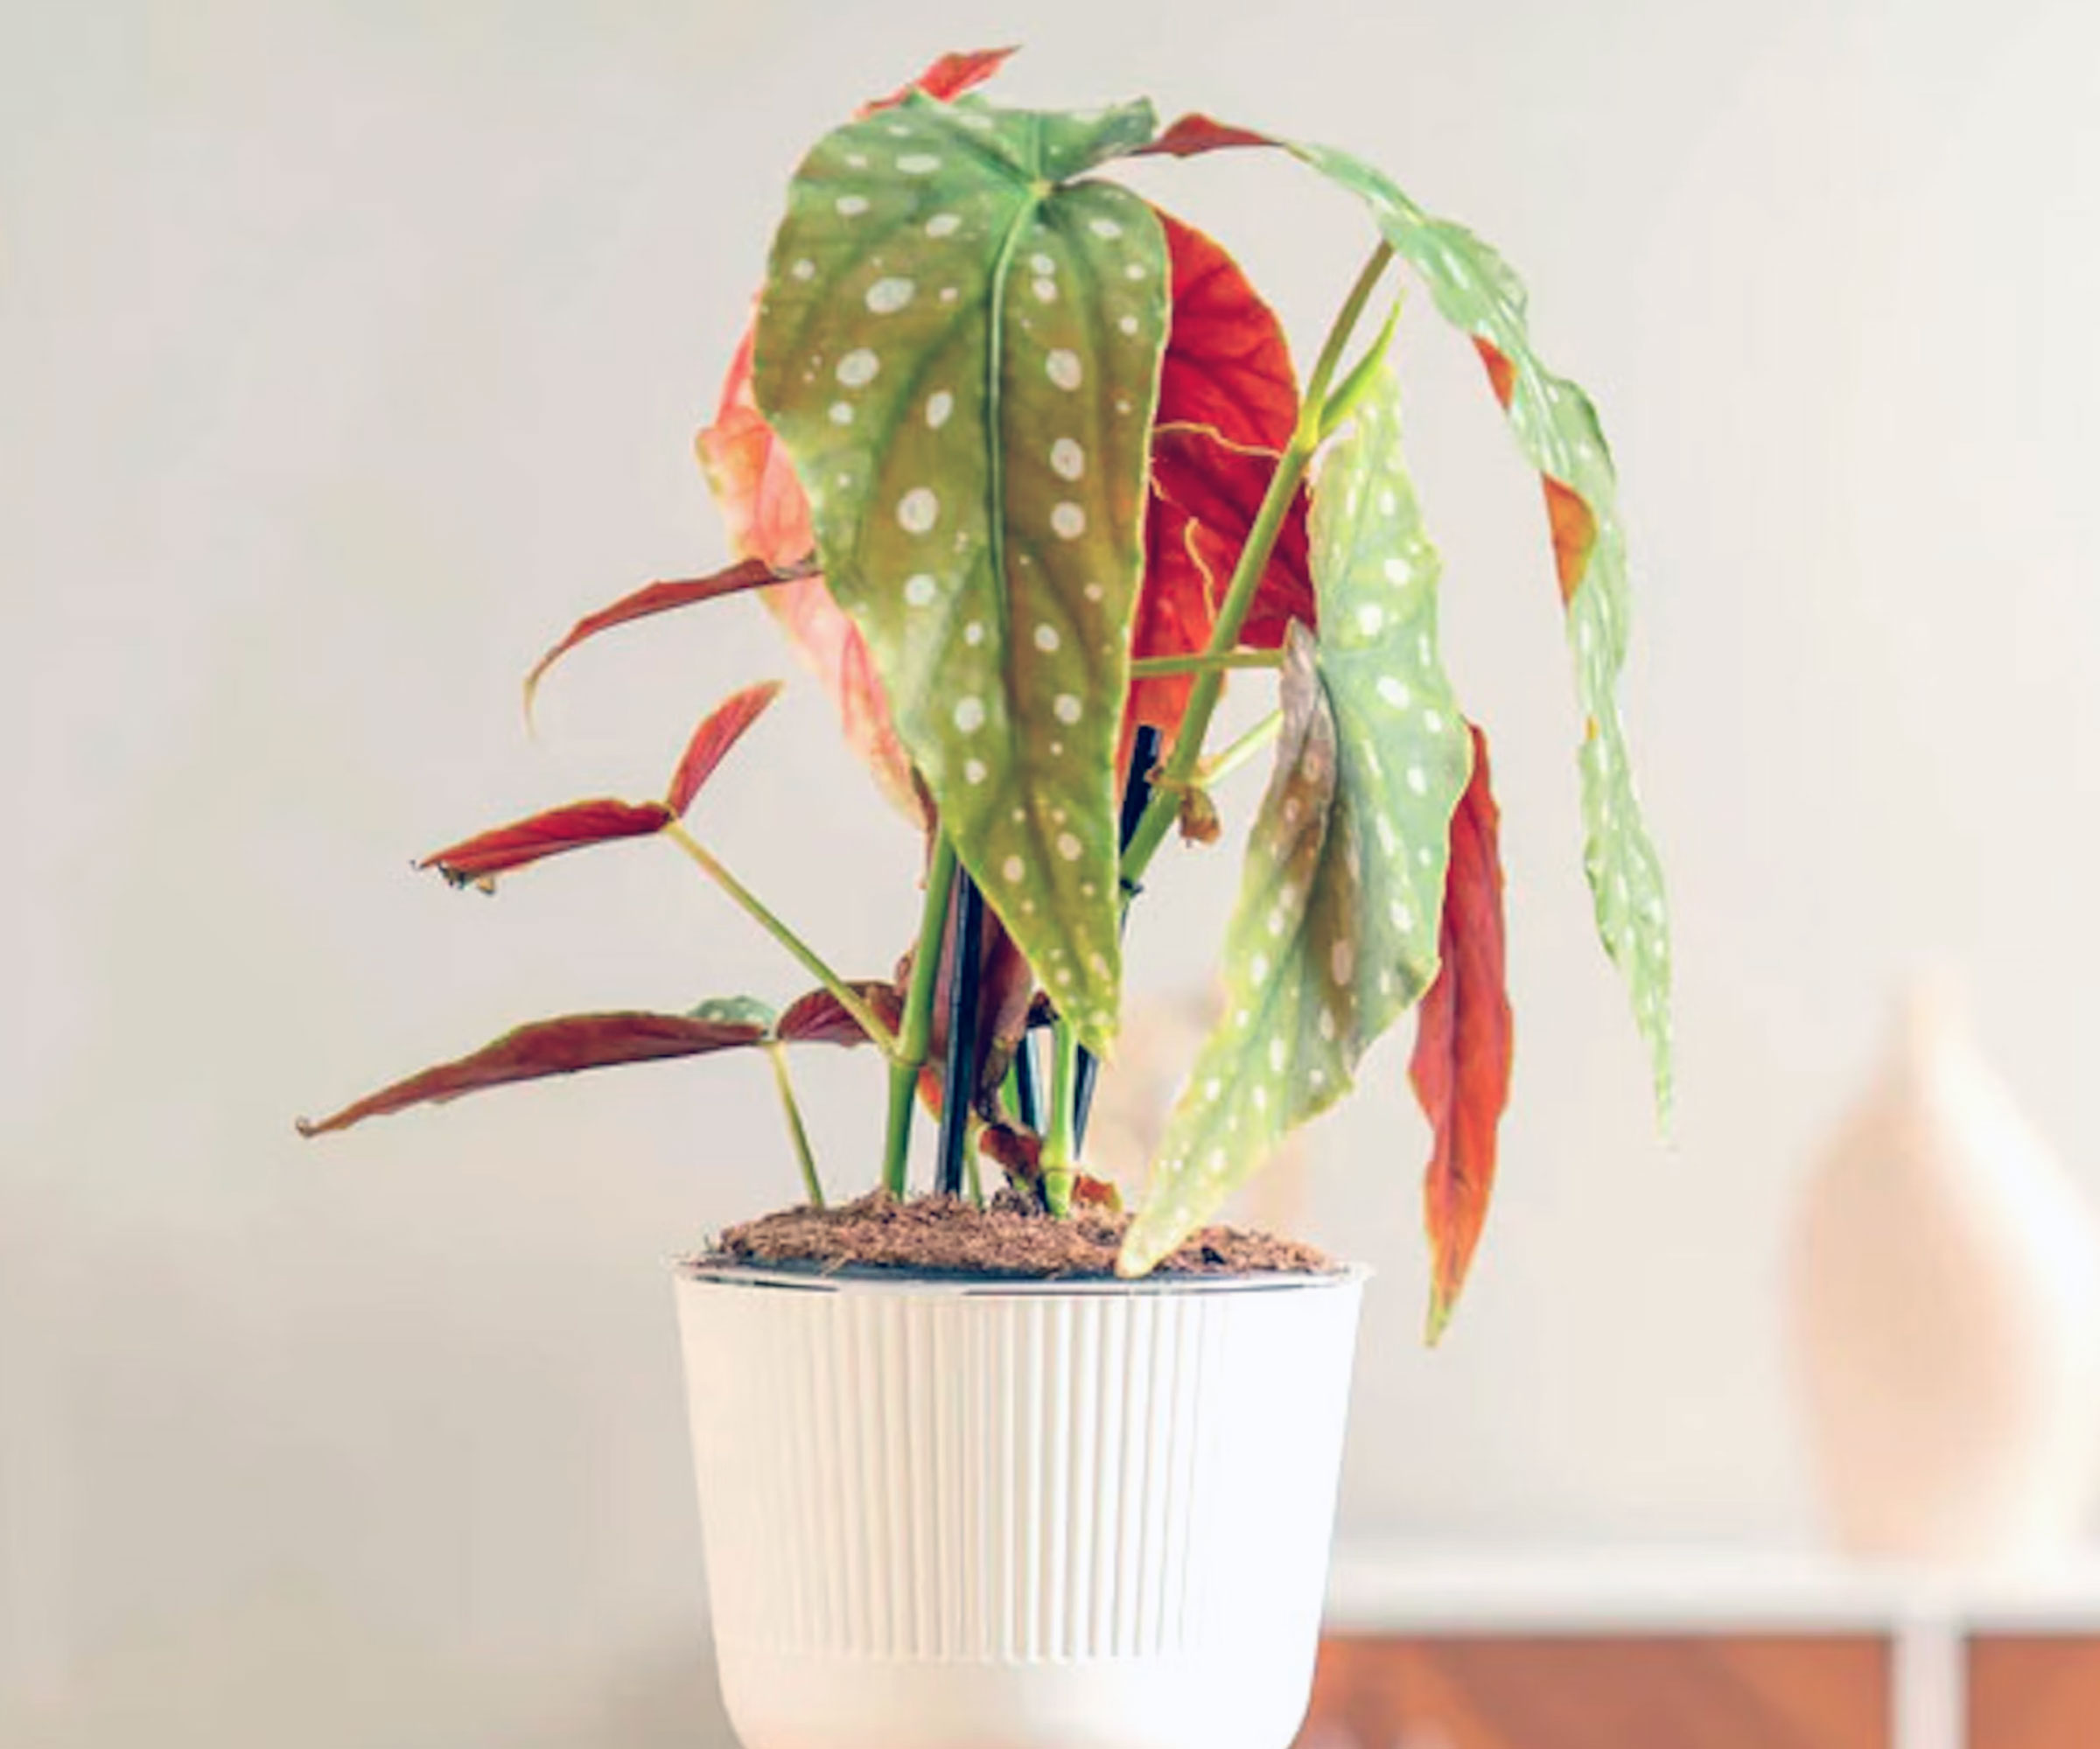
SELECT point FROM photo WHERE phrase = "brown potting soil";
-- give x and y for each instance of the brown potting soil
(1006, 1239)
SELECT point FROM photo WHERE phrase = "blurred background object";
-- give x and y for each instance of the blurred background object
(351, 348)
(1946, 1305)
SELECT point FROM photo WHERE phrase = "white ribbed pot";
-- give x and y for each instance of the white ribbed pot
(964, 1515)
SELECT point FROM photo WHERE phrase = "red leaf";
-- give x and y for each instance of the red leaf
(662, 598)
(1461, 1068)
(950, 76)
(550, 1047)
(1228, 365)
(820, 1019)
(1218, 486)
(480, 858)
(719, 730)
(1574, 526)
(769, 518)
(1190, 134)
(1227, 370)
(1206, 494)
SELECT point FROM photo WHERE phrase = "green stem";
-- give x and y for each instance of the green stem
(1203, 696)
(1058, 1147)
(915, 1038)
(849, 999)
(1223, 764)
(1154, 667)
(796, 1131)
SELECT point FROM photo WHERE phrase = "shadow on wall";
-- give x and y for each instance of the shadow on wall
(293, 1666)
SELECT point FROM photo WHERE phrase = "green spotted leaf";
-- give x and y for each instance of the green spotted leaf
(959, 346)
(1334, 933)
(1557, 428)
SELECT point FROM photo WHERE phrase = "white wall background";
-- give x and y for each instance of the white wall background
(348, 353)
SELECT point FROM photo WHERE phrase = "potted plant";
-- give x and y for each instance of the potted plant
(1021, 464)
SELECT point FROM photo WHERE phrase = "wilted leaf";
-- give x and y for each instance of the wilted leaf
(1199, 816)
(1333, 934)
(719, 730)
(1461, 1068)
(1557, 428)
(479, 860)
(551, 1047)
(959, 346)
(662, 598)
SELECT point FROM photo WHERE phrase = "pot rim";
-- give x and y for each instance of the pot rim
(879, 1279)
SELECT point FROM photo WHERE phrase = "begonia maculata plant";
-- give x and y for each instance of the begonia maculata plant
(1021, 464)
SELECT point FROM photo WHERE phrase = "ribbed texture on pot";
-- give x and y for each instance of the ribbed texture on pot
(1019, 1477)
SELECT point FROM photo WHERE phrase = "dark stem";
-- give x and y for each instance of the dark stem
(1027, 1097)
(959, 1072)
(1137, 797)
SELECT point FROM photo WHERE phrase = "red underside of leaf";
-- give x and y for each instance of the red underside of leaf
(1574, 526)
(663, 598)
(1226, 364)
(551, 834)
(1227, 370)
(719, 730)
(950, 76)
(769, 518)
(1461, 1068)
(1501, 375)
(1191, 135)
(819, 1018)
(550, 1047)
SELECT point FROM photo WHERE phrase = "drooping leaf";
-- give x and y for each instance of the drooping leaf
(1226, 372)
(1461, 1067)
(551, 1047)
(959, 346)
(479, 859)
(662, 598)
(761, 500)
(719, 730)
(1557, 428)
(1333, 934)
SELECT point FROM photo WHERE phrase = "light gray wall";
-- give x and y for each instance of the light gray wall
(346, 354)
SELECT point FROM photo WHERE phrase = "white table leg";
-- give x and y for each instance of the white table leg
(1930, 1682)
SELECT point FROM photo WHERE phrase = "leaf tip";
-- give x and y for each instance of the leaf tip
(1441, 1306)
